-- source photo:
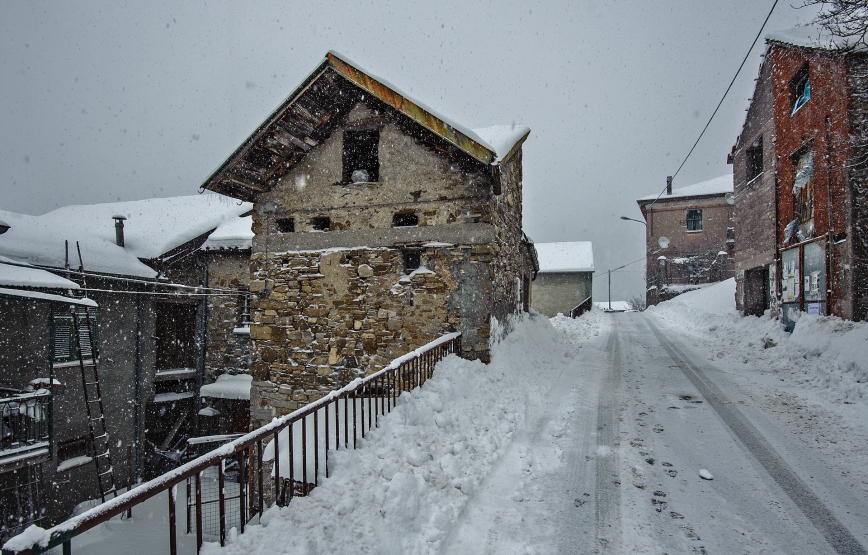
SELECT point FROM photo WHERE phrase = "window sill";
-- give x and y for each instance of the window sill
(694, 231)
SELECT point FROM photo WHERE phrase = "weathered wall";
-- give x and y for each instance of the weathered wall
(754, 209)
(821, 125)
(560, 292)
(23, 361)
(856, 247)
(227, 351)
(508, 270)
(331, 316)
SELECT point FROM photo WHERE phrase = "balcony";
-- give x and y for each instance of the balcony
(25, 428)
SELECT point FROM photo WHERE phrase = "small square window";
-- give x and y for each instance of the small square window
(405, 220)
(361, 157)
(694, 220)
(411, 260)
(286, 225)
(323, 223)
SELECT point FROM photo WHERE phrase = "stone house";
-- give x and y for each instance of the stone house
(379, 226)
(144, 281)
(807, 135)
(689, 238)
(565, 278)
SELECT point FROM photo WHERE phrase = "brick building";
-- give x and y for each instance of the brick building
(379, 226)
(800, 175)
(689, 238)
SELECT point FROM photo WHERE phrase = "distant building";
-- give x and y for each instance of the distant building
(565, 277)
(689, 238)
(800, 168)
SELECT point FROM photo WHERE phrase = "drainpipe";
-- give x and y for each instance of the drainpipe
(203, 314)
(137, 415)
(831, 274)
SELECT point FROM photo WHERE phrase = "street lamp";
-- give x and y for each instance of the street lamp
(632, 220)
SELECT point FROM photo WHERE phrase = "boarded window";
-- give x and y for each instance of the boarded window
(803, 188)
(322, 223)
(694, 220)
(405, 220)
(285, 225)
(754, 159)
(361, 158)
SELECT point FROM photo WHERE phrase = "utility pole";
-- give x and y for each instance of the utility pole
(610, 290)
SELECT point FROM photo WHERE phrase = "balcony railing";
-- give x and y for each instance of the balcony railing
(301, 440)
(25, 427)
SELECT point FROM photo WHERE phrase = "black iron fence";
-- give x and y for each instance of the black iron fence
(273, 464)
(25, 426)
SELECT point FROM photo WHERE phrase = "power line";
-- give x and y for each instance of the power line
(731, 83)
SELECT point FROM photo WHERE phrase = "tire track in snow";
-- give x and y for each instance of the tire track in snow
(838, 536)
(608, 490)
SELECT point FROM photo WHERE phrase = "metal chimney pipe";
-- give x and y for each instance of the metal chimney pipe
(119, 229)
(668, 184)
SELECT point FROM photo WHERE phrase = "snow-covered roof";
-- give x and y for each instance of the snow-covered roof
(243, 175)
(502, 139)
(234, 232)
(717, 186)
(228, 386)
(576, 256)
(20, 274)
(812, 36)
(152, 227)
(39, 241)
(40, 296)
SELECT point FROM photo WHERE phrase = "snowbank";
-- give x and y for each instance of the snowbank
(229, 386)
(404, 490)
(823, 352)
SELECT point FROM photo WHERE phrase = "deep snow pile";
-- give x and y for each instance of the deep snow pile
(825, 352)
(404, 490)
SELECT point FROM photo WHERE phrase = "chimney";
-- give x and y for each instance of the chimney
(668, 184)
(119, 229)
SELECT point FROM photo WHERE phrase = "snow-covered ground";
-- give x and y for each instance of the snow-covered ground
(583, 436)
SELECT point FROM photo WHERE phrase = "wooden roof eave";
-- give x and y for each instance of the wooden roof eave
(409, 108)
(213, 183)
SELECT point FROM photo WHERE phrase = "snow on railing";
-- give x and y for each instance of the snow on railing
(262, 477)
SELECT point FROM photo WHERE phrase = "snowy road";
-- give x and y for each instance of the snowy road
(588, 435)
(611, 463)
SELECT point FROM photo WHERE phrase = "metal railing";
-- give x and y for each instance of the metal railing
(25, 426)
(266, 462)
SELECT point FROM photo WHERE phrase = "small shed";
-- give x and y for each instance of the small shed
(565, 277)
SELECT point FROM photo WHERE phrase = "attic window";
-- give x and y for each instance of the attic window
(412, 259)
(361, 158)
(286, 225)
(754, 156)
(800, 89)
(405, 220)
(323, 223)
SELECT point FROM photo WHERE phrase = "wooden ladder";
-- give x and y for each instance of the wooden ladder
(88, 358)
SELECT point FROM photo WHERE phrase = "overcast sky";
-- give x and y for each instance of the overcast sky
(122, 101)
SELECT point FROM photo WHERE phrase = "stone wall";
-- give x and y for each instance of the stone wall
(227, 351)
(323, 318)
(509, 254)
